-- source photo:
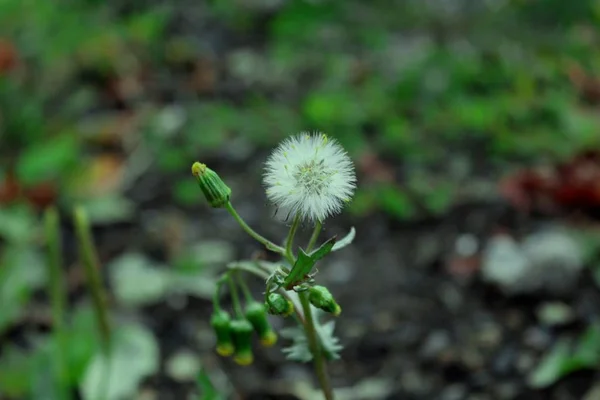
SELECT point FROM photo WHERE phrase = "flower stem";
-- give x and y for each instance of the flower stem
(89, 257)
(244, 287)
(289, 242)
(315, 347)
(235, 298)
(216, 295)
(266, 242)
(314, 236)
(57, 296)
(265, 275)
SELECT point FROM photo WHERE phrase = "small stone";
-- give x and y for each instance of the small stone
(555, 313)
(435, 343)
(456, 391)
(549, 260)
(505, 265)
(183, 366)
(466, 245)
(490, 335)
(536, 338)
(525, 362)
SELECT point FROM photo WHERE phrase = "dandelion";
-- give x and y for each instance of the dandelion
(310, 175)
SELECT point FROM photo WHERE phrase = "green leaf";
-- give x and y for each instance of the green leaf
(17, 224)
(84, 341)
(561, 360)
(305, 263)
(22, 270)
(346, 240)
(134, 356)
(108, 209)
(206, 388)
(137, 280)
(551, 368)
(395, 202)
(186, 192)
(588, 347)
(16, 368)
(300, 351)
(48, 160)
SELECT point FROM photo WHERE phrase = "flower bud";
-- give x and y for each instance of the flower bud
(241, 332)
(321, 298)
(220, 321)
(215, 190)
(278, 305)
(257, 315)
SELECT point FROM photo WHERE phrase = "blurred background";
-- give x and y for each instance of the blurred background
(475, 130)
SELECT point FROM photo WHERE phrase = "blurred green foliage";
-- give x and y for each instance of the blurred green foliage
(439, 99)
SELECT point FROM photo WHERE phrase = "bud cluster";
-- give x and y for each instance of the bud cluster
(234, 335)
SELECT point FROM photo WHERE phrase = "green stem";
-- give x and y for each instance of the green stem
(266, 242)
(260, 273)
(91, 264)
(245, 289)
(216, 295)
(235, 298)
(289, 242)
(314, 236)
(315, 347)
(57, 296)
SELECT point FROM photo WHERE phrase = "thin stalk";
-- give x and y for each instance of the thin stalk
(91, 264)
(314, 236)
(216, 294)
(264, 275)
(245, 289)
(235, 298)
(289, 241)
(266, 242)
(57, 296)
(315, 347)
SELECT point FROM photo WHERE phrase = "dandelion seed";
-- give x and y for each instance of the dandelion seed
(310, 175)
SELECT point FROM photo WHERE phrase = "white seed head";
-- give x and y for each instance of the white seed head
(310, 175)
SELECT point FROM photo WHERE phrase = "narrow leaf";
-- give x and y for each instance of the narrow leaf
(346, 240)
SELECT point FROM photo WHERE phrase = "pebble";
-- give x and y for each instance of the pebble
(456, 391)
(549, 260)
(435, 343)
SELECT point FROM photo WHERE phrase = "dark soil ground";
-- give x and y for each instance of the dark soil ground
(417, 319)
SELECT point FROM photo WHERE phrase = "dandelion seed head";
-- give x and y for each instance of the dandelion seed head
(310, 175)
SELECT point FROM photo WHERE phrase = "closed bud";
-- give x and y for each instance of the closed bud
(215, 190)
(256, 313)
(241, 332)
(220, 321)
(321, 298)
(278, 305)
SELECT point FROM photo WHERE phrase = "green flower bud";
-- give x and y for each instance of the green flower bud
(321, 298)
(220, 321)
(257, 315)
(241, 332)
(215, 190)
(278, 305)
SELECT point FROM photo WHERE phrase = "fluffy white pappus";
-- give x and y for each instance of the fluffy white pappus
(310, 175)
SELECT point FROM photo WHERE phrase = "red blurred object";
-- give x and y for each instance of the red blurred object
(8, 56)
(588, 86)
(40, 196)
(573, 186)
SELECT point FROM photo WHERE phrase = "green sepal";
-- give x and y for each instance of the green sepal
(305, 263)
(277, 304)
(217, 193)
(256, 313)
(220, 322)
(320, 297)
(241, 333)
